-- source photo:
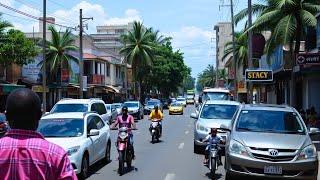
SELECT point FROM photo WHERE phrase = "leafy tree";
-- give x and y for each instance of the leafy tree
(222, 74)
(207, 77)
(189, 82)
(16, 48)
(58, 54)
(138, 49)
(4, 25)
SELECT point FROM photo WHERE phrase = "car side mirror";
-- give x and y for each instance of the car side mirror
(113, 109)
(225, 128)
(193, 115)
(94, 132)
(314, 131)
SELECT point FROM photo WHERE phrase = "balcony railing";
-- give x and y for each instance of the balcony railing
(96, 79)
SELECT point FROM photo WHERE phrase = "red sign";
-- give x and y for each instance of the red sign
(97, 79)
(65, 75)
(231, 74)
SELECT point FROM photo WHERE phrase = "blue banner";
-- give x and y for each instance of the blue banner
(276, 60)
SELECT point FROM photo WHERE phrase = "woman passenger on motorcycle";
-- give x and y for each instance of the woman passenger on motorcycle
(126, 120)
(212, 138)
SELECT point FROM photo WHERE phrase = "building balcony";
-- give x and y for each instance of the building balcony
(105, 36)
(109, 44)
(96, 79)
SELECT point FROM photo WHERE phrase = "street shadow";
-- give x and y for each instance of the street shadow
(218, 176)
(97, 167)
(157, 142)
(127, 170)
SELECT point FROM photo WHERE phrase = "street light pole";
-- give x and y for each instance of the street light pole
(44, 44)
(234, 53)
(250, 49)
(81, 56)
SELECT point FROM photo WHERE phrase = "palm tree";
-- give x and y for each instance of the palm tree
(155, 38)
(4, 25)
(138, 49)
(58, 54)
(207, 77)
(222, 74)
(241, 49)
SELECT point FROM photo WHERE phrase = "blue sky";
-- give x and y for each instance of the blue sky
(188, 22)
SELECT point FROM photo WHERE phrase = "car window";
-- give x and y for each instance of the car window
(131, 104)
(218, 111)
(108, 107)
(99, 107)
(61, 127)
(270, 121)
(215, 96)
(91, 124)
(99, 123)
(69, 108)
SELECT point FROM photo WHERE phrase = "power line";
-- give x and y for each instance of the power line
(19, 17)
(33, 17)
(51, 14)
(62, 6)
(192, 45)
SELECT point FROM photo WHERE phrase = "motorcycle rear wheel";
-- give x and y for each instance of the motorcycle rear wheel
(153, 138)
(121, 163)
(129, 159)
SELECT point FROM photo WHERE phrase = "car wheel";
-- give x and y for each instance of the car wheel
(142, 117)
(182, 113)
(107, 158)
(196, 148)
(230, 177)
(84, 167)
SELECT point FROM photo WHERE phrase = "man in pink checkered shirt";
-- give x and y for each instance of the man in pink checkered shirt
(24, 153)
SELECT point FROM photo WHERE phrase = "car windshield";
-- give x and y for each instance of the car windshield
(175, 105)
(108, 107)
(190, 98)
(216, 96)
(117, 106)
(61, 127)
(130, 104)
(218, 111)
(150, 103)
(181, 99)
(69, 108)
(270, 121)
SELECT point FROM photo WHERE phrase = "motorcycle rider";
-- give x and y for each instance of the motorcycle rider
(126, 120)
(211, 139)
(156, 114)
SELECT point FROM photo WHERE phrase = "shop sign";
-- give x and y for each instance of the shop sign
(129, 73)
(39, 89)
(85, 83)
(308, 59)
(65, 76)
(242, 86)
(259, 75)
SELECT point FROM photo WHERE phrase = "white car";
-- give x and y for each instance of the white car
(84, 136)
(182, 101)
(81, 105)
(118, 107)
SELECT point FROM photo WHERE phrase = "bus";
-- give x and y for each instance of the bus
(190, 96)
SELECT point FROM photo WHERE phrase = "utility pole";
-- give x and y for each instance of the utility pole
(81, 52)
(126, 76)
(233, 54)
(250, 49)
(44, 44)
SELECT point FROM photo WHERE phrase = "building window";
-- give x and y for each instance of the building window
(108, 69)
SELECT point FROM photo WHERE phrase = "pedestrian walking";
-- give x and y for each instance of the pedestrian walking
(24, 153)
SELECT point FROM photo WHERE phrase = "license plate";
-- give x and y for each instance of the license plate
(273, 170)
(175, 110)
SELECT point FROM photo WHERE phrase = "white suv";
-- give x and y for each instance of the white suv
(81, 105)
(84, 136)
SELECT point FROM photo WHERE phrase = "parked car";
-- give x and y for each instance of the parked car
(182, 101)
(150, 106)
(135, 108)
(118, 107)
(84, 136)
(212, 114)
(270, 141)
(176, 108)
(112, 112)
(81, 105)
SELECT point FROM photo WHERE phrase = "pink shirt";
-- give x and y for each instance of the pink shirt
(129, 122)
(27, 155)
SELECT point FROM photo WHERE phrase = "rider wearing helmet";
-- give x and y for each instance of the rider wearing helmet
(212, 138)
(156, 115)
(126, 120)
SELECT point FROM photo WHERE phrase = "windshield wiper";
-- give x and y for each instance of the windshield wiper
(246, 129)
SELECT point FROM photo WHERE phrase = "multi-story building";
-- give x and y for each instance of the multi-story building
(223, 35)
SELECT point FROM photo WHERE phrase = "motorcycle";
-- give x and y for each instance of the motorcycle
(213, 163)
(155, 131)
(124, 149)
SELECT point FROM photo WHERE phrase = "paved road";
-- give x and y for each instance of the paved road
(171, 159)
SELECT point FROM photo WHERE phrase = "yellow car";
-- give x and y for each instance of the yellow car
(176, 108)
(190, 101)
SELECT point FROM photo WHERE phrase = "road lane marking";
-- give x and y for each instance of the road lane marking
(187, 132)
(181, 146)
(138, 132)
(169, 177)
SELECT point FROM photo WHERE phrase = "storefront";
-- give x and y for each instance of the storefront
(5, 90)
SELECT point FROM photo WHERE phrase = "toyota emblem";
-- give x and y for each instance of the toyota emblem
(273, 152)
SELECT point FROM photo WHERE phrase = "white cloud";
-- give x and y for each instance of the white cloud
(29, 10)
(130, 16)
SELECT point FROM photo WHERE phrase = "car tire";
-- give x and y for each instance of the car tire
(107, 157)
(84, 167)
(229, 177)
(182, 113)
(196, 149)
(142, 117)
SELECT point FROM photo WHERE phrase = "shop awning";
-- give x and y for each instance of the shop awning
(115, 89)
(7, 88)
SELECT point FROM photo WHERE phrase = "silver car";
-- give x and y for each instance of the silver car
(270, 141)
(112, 113)
(212, 114)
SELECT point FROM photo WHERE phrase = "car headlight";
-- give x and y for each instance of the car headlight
(237, 148)
(201, 127)
(73, 150)
(308, 152)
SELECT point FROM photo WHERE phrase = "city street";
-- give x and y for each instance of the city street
(171, 159)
